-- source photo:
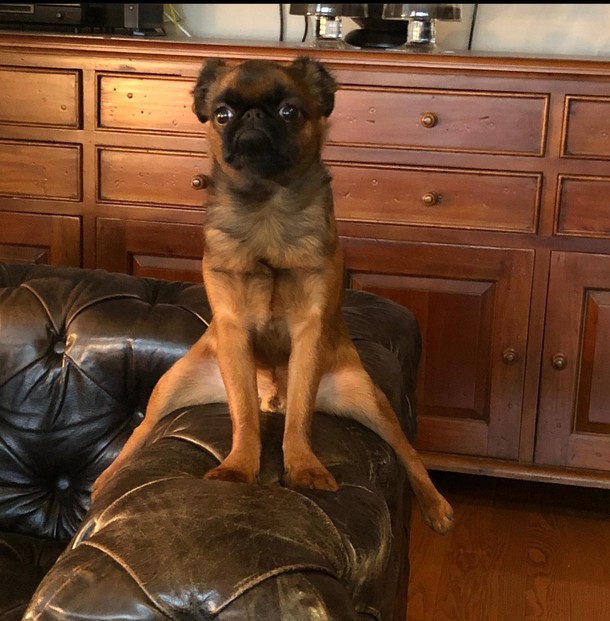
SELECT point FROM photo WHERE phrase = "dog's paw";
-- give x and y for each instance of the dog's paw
(316, 477)
(439, 517)
(95, 492)
(231, 475)
(272, 403)
(100, 483)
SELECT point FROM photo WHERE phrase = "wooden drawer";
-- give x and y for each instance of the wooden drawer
(40, 170)
(147, 104)
(440, 120)
(583, 206)
(434, 197)
(152, 177)
(35, 97)
(586, 127)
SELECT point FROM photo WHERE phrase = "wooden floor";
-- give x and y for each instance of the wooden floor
(520, 551)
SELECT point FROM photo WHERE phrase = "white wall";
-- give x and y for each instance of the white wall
(563, 29)
(566, 29)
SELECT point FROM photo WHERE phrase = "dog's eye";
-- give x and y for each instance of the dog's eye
(223, 115)
(288, 112)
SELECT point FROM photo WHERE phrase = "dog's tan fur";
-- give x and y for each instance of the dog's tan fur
(273, 271)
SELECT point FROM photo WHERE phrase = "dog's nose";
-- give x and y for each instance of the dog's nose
(253, 114)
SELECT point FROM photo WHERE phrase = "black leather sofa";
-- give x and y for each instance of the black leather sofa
(80, 351)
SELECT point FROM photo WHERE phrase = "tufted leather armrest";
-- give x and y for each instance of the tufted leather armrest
(79, 355)
(80, 351)
(85, 348)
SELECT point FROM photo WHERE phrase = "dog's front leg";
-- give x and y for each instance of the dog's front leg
(237, 368)
(303, 468)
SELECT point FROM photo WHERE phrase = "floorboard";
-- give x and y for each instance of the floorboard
(520, 551)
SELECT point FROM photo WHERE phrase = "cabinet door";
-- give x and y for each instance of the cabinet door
(172, 251)
(574, 408)
(40, 239)
(472, 305)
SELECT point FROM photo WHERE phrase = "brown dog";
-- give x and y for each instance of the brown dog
(273, 272)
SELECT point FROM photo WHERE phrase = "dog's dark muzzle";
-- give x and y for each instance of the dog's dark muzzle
(251, 141)
(254, 148)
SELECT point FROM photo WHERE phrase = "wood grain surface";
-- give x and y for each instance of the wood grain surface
(520, 551)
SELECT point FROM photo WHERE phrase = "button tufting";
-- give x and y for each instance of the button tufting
(59, 347)
(136, 418)
(63, 483)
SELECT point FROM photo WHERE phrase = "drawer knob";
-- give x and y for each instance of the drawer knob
(429, 119)
(430, 198)
(559, 362)
(509, 356)
(199, 182)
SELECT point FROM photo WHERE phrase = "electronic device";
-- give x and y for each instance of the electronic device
(88, 17)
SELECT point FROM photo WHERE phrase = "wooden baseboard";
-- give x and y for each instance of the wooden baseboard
(513, 470)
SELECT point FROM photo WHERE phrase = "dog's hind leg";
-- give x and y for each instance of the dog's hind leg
(349, 391)
(191, 380)
(271, 384)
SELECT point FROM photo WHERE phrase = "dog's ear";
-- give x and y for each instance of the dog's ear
(318, 79)
(207, 76)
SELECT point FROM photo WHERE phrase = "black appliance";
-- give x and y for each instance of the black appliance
(142, 19)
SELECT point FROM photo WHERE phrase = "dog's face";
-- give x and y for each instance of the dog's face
(266, 120)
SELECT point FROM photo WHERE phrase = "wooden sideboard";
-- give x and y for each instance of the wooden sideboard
(473, 189)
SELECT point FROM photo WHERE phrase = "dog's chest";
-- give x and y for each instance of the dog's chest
(275, 234)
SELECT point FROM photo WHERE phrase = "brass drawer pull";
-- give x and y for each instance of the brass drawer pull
(199, 182)
(510, 356)
(559, 362)
(430, 198)
(428, 119)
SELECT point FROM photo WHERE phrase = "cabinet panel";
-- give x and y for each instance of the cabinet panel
(149, 103)
(586, 132)
(574, 409)
(436, 197)
(40, 238)
(34, 97)
(150, 249)
(40, 170)
(440, 120)
(583, 206)
(472, 305)
(152, 177)
(592, 408)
